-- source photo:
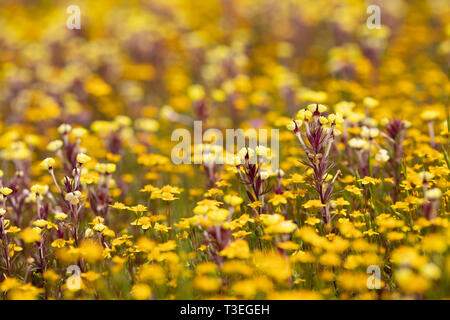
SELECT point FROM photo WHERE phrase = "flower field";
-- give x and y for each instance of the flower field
(105, 195)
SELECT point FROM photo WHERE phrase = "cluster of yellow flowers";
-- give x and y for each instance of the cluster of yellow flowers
(87, 182)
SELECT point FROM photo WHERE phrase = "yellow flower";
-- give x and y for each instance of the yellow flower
(39, 189)
(47, 163)
(241, 234)
(167, 196)
(370, 102)
(29, 235)
(13, 248)
(138, 208)
(145, 222)
(54, 145)
(145, 124)
(313, 204)
(281, 227)
(60, 216)
(405, 255)
(297, 178)
(213, 192)
(351, 281)
(40, 223)
(119, 206)
(151, 273)
(312, 221)
(255, 204)
(369, 180)
(245, 288)
(233, 200)
(5, 191)
(207, 284)
(288, 245)
(395, 236)
(141, 291)
(317, 107)
(370, 233)
(90, 276)
(339, 202)
(431, 271)
(51, 276)
(236, 267)
(167, 246)
(299, 280)
(294, 124)
(323, 120)
(206, 268)
(237, 249)
(161, 227)
(13, 229)
(83, 158)
(273, 264)
(25, 292)
(347, 179)
(148, 188)
(330, 259)
(277, 200)
(434, 243)
(79, 132)
(90, 250)
(196, 92)
(410, 282)
(97, 86)
(429, 115)
(59, 243)
(353, 189)
(108, 233)
(105, 167)
(9, 283)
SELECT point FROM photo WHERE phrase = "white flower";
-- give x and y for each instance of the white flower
(369, 133)
(243, 153)
(433, 194)
(73, 197)
(262, 151)
(280, 172)
(64, 128)
(357, 143)
(264, 175)
(88, 233)
(209, 159)
(233, 160)
(382, 156)
(425, 175)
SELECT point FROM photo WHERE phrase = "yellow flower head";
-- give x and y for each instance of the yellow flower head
(141, 291)
(29, 235)
(83, 158)
(47, 163)
(5, 191)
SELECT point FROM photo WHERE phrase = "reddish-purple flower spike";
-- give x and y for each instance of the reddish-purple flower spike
(318, 144)
(396, 132)
(394, 128)
(251, 179)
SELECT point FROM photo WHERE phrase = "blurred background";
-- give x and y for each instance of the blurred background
(248, 62)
